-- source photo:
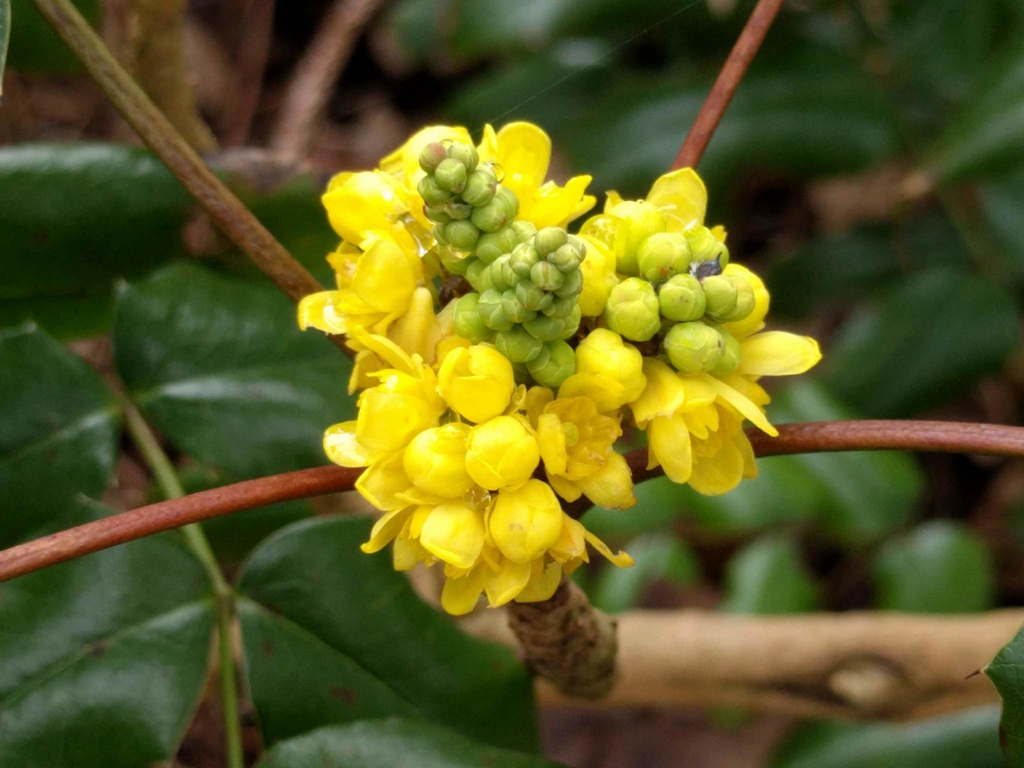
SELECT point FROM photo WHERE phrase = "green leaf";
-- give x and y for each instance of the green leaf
(5, 37)
(929, 339)
(332, 635)
(659, 502)
(105, 657)
(59, 435)
(1006, 671)
(939, 567)
(219, 365)
(985, 136)
(394, 743)
(963, 739)
(866, 494)
(37, 47)
(1000, 200)
(768, 576)
(659, 557)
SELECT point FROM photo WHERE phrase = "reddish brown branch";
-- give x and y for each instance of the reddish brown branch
(814, 437)
(728, 81)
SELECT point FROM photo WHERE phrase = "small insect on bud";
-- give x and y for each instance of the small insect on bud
(515, 310)
(632, 310)
(467, 321)
(524, 230)
(694, 347)
(730, 357)
(662, 255)
(461, 235)
(550, 239)
(451, 175)
(465, 154)
(517, 345)
(532, 297)
(524, 256)
(546, 276)
(561, 307)
(431, 191)
(479, 275)
(681, 298)
(572, 284)
(432, 156)
(491, 311)
(555, 363)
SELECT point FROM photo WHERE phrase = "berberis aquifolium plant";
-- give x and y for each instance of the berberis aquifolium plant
(497, 355)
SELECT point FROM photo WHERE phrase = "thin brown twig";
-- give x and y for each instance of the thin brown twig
(728, 81)
(316, 73)
(251, 63)
(937, 436)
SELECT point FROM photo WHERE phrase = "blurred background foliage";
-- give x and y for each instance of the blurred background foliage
(871, 167)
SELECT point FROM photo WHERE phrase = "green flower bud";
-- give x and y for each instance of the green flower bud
(432, 156)
(561, 307)
(632, 310)
(438, 232)
(465, 154)
(524, 256)
(480, 186)
(704, 246)
(431, 191)
(514, 309)
(572, 284)
(461, 235)
(458, 211)
(728, 298)
(572, 323)
(745, 300)
(662, 255)
(517, 344)
(497, 275)
(638, 220)
(467, 321)
(546, 328)
(682, 298)
(567, 258)
(694, 347)
(479, 275)
(491, 311)
(437, 213)
(455, 262)
(532, 297)
(451, 175)
(550, 239)
(555, 363)
(730, 358)
(524, 230)
(494, 244)
(546, 276)
(510, 199)
(494, 215)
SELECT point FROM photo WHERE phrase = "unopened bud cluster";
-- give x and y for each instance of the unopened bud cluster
(678, 292)
(527, 285)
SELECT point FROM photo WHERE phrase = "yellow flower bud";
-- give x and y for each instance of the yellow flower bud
(454, 533)
(607, 370)
(386, 274)
(477, 382)
(526, 521)
(364, 201)
(391, 414)
(502, 453)
(612, 485)
(598, 277)
(435, 461)
(637, 220)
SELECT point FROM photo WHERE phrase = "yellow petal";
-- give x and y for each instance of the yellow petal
(454, 533)
(718, 474)
(699, 392)
(407, 554)
(526, 521)
(612, 486)
(669, 440)
(460, 596)
(385, 529)
(417, 331)
(551, 438)
(544, 580)
(524, 152)
(682, 197)
(744, 405)
(777, 353)
(742, 443)
(620, 559)
(565, 488)
(506, 584)
(572, 543)
(381, 483)
(322, 311)
(359, 202)
(663, 395)
(488, 146)
(383, 279)
(342, 447)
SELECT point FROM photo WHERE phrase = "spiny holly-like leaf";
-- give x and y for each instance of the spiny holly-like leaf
(395, 743)
(59, 433)
(332, 635)
(221, 367)
(104, 657)
(1006, 671)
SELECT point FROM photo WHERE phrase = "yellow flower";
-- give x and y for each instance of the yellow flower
(502, 453)
(435, 460)
(526, 521)
(598, 277)
(476, 382)
(608, 371)
(523, 152)
(360, 202)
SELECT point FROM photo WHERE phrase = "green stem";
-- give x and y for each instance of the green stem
(170, 486)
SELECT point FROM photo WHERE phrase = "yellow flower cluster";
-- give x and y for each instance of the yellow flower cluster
(469, 465)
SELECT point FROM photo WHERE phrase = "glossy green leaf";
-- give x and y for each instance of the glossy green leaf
(985, 136)
(36, 47)
(966, 738)
(866, 494)
(659, 557)
(928, 339)
(768, 576)
(1000, 201)
(1006, 671)
(332, 635)
(219, 365)
(939, 567)
(5, 37)
(394, 743)
(105, 657)
(60, 431)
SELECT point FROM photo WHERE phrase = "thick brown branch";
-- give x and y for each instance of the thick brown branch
(728, 81)
(813, 437)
